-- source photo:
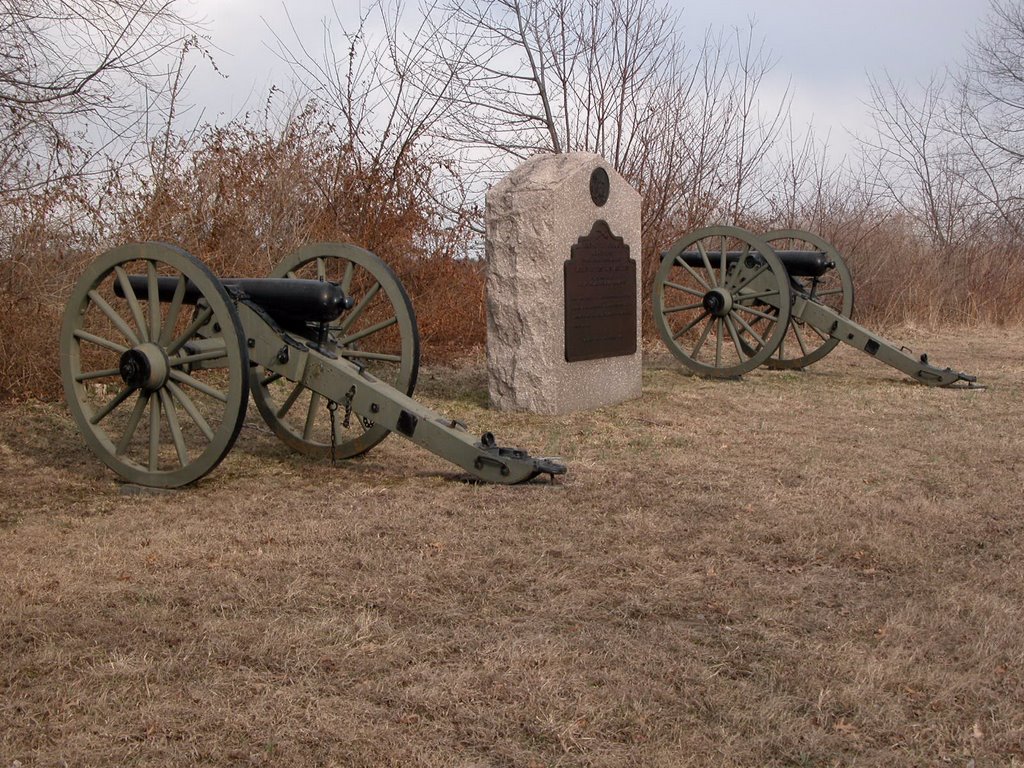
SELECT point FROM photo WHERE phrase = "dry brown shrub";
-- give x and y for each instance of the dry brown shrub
(248, 196)
(48, 239)
(243, 196)
(448, 295)
(901, 278)
(240, 197)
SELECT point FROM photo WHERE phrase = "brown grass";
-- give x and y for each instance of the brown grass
(797, 569)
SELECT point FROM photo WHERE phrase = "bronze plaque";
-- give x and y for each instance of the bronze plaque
(600, 297)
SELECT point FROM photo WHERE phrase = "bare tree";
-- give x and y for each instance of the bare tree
(92, 67)
(685, 125)
(369, 74)
(919, 162)
(480, 84)
(989, 115)
(562, 76)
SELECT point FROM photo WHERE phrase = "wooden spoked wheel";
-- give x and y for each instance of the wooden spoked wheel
(803, 344)
(379, 334)
(721, 301)
(159, 390)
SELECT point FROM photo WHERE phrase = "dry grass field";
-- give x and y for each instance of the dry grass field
(797, 569)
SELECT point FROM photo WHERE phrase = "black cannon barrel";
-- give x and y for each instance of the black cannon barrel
(797, 263)
(289, 301)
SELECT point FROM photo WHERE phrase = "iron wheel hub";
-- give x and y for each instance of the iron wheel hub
(144, 367)
(718, 302)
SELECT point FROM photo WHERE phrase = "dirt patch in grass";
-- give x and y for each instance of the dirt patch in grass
(796, 569)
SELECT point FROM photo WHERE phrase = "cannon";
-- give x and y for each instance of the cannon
(159, 358)
(727, 301)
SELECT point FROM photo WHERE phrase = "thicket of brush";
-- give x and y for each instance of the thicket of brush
(930, 226)
(241, 198)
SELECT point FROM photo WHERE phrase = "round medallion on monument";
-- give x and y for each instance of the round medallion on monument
(600, 186)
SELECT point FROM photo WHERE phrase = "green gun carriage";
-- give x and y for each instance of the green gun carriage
(159, 358)
(727, 301)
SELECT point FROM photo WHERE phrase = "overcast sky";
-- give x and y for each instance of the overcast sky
(825, 49)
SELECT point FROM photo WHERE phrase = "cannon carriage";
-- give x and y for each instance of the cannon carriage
(159, 358)
(727, 301)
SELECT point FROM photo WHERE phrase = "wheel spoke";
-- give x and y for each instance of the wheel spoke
(721, 280)
(693, 273)
(684, 288)
(682, 308)
(755, 312)
(755, 296)
(314, 402)
(99, 341)
(183, 378)
(690, 325)
(154, 432)
(106, 410)
(106, 373)
(702, 339)
(266, 381)
(822, 336)
(174, 311)
(346, 280)
(735, 338)
(153, 289)
(190, 408)
(172, 423)
(133, 303)
(198, 357)
(742, 279)
(749, 328)
(384, 356)
(201, 319)
(321, 269)
(115, 318)
(718, 342)
(132, 425)
(707, 263)
(799, 338)
(368, 331)
(290, 401)
(357, 310)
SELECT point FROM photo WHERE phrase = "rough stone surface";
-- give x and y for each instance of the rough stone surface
(533, 217)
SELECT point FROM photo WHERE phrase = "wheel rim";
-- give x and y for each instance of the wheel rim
(158, 389)
(706, 313)
(379, 333)
(803, 344)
